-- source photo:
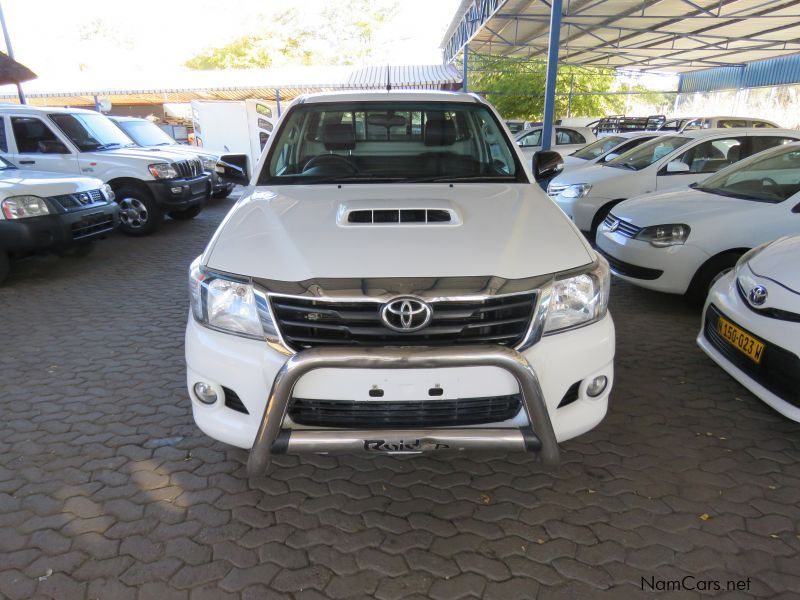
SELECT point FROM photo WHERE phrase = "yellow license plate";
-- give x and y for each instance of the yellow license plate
(741, 340)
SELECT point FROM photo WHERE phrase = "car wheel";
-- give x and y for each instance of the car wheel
(186, 213)
(5, 266)
(138, 213)
(707, 275)
(223, 193)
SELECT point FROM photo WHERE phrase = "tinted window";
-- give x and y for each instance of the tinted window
(264, 110)
(731, 123)
(29, 131)
(712, 155)
(763, 124)
(648, 153)
(90, 131)
(146, 133)
(599, 147)
(380, 141)
(759, 143)
(3, 141)
(534, 138)
(569, 136)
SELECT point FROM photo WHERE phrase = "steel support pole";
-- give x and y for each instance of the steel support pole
(552, 73)
(464, 69)
(10, 51)
(278, 100)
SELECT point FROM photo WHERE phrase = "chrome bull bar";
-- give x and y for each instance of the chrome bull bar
(538, 438)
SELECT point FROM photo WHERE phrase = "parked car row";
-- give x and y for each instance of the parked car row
(69, 176)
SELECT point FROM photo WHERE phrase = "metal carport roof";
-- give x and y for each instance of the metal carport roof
(664, 35)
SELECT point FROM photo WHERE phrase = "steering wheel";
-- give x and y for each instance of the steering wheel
(332, 159)
(769, 181)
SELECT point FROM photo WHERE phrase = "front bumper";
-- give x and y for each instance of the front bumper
(668, 270)
(57, 230)
(263, 379)
(177, 194)
(217, 185)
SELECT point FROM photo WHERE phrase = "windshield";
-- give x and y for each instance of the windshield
(767, 177)
(91, 131)
(645, 155)
(146, 133)
(390, 141)
(599, 148)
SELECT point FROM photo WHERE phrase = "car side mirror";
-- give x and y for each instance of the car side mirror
(52, 147)
(233, 168)
(610, 156)
(676, 166)
(546, 163)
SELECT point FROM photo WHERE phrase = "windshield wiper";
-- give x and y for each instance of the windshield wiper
(457, 178)
(349, 179)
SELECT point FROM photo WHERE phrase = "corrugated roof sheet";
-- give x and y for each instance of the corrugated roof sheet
(781, 70)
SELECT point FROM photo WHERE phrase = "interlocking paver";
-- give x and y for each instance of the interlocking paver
(107, 489)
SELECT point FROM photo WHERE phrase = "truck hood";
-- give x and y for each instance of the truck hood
(18, 182)
(779, 261)
(681, 205)
(151, 155)
(183, 150)
(293, 233)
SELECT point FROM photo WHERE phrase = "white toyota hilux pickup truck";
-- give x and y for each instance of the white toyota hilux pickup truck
(392, 281)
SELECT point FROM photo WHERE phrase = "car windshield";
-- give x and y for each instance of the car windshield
(771, 176)
(359, 142)
(91, 131)
(645, 155)
(146, 133)
(599, 148)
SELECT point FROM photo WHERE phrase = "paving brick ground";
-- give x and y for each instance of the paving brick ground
(107, 490)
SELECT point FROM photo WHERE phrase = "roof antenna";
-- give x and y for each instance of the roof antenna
(388, 79)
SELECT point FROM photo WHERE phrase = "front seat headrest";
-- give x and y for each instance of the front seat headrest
(339, 136)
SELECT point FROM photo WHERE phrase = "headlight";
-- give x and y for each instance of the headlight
(230, 305)
(578, 190)
(20, 207)
(108, 192)
(662, 236)
(579, 300)
(209, 163)
(163, 171)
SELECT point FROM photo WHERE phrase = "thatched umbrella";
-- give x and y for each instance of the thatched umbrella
(13, 72)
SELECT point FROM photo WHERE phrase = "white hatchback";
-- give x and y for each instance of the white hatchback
(668, 162)
(751, 324)
(682, 241)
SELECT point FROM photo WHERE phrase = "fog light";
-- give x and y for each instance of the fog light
(597, 386)
(176, 190)
(205, 393)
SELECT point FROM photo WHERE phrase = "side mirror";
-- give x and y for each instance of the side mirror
(233, 168)
(52, 147)
(610, 156)
(676, 166)
(546, 163)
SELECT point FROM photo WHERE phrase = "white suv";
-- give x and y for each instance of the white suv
(391, 281)
(666, 162)
(148, 183)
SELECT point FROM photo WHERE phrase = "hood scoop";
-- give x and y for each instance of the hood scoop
(398, 216)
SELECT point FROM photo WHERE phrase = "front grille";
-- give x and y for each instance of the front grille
(623, 227)
(78, 200)
(188, 168)
(305, 323)
(778, 371)
(233, 401)
(554, 190)
(92, 225)
(628, 270)
(372, 414)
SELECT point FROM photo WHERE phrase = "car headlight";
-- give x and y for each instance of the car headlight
(578, 190)
(21, 207)
(580, 299)
(209, 163)
(163, 171)
(108, 193)
(662, 236)
(229, 305)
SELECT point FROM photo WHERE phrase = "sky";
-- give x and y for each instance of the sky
(58, 37)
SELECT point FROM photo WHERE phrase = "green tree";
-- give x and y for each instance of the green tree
(245, 52)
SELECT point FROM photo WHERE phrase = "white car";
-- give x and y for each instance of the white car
(606, 149)
(726, 123)
(148, 182)
(751, 324)
(682, 241)
(393, 289)
(147, 134)
(664, 163)
(565, 140)
(50, 212)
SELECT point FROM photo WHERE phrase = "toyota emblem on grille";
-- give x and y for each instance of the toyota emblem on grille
(406, 314)
(758, 295)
